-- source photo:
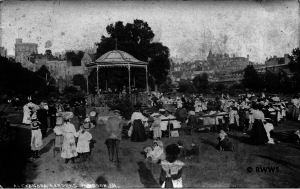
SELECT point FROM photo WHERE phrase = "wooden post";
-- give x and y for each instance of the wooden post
(147, 80)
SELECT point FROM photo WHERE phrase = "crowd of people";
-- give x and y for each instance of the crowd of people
(72, 141)
(258, 114)
(249, 114)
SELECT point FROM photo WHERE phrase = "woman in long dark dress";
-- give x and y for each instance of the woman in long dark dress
(138, 128)
(258, 133)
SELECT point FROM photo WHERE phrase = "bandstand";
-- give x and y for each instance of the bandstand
(116, 58)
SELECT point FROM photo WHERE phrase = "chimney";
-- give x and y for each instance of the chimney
(286, 58)
(18, 40)
(95, 48)
(275, 57)
(233, 55)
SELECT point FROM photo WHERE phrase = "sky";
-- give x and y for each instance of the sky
(188, 28)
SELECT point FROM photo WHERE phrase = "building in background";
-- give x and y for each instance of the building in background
(3, 52)
(23, 51)
(225, 62)
(272, 61)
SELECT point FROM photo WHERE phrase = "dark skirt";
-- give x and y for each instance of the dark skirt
(138, 131)
(295, 112)
(234, 126)
(258, 133)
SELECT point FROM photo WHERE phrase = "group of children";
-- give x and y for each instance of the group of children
(65, 137)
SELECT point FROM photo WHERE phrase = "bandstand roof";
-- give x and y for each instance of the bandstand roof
(117, 58)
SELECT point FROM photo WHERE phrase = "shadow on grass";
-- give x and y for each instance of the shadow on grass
(282, 162)
(214, 145)
(14, 159)
(281, 136)
(92, 145)
(242, 139)
(47, 147)
(102, 182)
(146, 176)
(295, 146)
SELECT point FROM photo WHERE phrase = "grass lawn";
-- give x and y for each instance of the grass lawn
(211, 169)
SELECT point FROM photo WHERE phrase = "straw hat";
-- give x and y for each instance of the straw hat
(87, 126)
(155, 115)
(68, 115)
(192, 113)
(93, 113)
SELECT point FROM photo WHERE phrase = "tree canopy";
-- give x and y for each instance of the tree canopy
(75, 58)
(14, 79)
(137, 39)
(251, 79)
(201, 82)
(79, 80)
(295, 60)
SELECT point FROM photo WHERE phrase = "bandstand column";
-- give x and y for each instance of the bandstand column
(129, 80)
(86, 75)
(97, 79)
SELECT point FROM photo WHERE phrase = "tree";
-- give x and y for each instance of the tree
(201, 82)
(294, 66)
(294, 63)
(75, 58)
(79, 80)
(167, 86)
(44, 73)
(251, 79)
(137, 39)
(220, 87)
(285, 83)
(186, 86)
(70, 89)
(48, 54)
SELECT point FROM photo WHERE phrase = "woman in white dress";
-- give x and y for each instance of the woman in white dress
(69, 134)
(26, 117)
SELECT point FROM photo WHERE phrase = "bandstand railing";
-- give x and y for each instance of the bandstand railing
(106, 100)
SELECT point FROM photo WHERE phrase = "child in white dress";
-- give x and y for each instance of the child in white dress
(36, 137)
(84, 138)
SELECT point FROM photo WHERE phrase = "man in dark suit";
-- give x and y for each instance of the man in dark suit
(52, 114)
(42, 117)
(114, 127)
(81, 113)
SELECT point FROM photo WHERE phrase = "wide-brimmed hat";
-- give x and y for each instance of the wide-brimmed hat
(192, 113)
(93, 113)
(87, 126)
(68, 115)
(155, 115)
(172, 149)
